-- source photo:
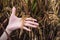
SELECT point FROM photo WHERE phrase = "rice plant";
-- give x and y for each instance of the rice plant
(45, 11)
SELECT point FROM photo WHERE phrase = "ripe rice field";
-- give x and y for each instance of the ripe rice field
(47, 12)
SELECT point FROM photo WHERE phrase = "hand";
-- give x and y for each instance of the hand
(16, 23)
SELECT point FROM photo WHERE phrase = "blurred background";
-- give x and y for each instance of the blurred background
(47, 12)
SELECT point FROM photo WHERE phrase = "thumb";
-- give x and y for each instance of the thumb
(13, 11)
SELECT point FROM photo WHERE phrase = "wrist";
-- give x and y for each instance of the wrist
(7, 30)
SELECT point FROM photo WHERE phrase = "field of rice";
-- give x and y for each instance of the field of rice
(47, 12)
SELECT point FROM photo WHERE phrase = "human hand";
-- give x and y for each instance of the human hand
(16, 23)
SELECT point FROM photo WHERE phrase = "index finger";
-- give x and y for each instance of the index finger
(30, 19)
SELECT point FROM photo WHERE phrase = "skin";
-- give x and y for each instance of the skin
(16, 23)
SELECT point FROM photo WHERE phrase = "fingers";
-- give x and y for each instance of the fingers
(30, 19)
(25, 28)
(13, 11)
(31, 22)
(30, 25)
